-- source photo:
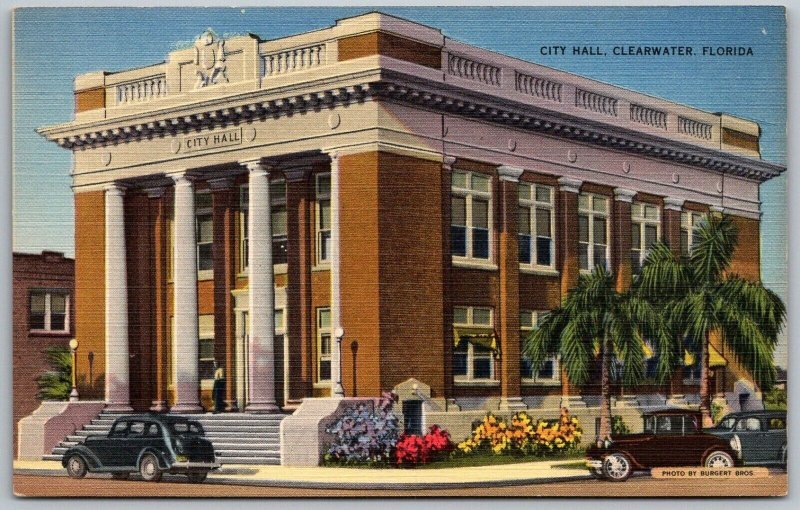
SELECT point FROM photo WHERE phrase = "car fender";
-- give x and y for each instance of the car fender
(725, 448)
(92, 461)
(628, 454)
(163, 461)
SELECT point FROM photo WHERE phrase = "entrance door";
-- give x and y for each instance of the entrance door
(242, 355)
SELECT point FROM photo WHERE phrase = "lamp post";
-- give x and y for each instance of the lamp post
(338, 390)
(73, 347)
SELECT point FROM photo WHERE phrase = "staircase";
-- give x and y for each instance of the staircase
(238, 438)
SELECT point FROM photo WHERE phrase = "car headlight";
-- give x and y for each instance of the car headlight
(182, 458)
(736, 445)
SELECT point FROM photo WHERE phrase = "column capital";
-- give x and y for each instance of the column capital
(569, 184)
(220, 183)
(255, 166)
(624, 195)
(181, 179)
(509, 173)
(673, 204)
(447, 162)
(297, 173)
(115, 188)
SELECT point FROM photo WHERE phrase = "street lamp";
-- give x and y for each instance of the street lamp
(338, 390)
(73, 347)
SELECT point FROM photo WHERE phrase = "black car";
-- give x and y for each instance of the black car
(757, 437)
(149, 444)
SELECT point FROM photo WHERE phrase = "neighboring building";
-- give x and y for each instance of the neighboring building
(431, 198)
(44, 288)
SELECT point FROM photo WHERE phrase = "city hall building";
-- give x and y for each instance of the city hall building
(346, 210)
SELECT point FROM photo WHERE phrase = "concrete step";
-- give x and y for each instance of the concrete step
(240, 423)
(231, 429)
(68, 444)
(76, 438)
(100, 428)
(52, 457)
(87, 433)
(247, 451)
(273, 461)
(238, 439)
(220, 447)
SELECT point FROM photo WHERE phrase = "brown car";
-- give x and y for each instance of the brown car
(671, 437)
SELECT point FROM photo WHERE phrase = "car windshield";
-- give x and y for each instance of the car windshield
(726, 423)
(187, 428)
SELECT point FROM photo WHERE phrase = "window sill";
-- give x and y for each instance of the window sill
(544, 271)
(477, 382)
(532, 382)
(47, 332)
(474, 264)
(320, 268)
(276, 269)
(322, 385)
(204, 276)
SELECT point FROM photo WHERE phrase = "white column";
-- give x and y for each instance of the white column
(336, 304)
(116, 312)
(185, 334)
(261, 292)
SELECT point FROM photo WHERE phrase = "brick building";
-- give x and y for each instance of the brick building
(44, 288)
(428, 199)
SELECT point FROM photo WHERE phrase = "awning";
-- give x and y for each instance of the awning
(715, 359)
(478, 336)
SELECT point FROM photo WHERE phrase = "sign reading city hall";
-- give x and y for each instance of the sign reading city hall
(206, 141)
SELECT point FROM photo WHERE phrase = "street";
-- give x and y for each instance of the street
(640, 486)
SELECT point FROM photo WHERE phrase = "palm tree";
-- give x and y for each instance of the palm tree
(56, 384)
(699, 296)
(597, 322)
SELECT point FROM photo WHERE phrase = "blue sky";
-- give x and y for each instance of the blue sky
(52, 46)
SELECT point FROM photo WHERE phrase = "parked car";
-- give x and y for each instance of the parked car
(150, 444)
(671, 437)
(757, 437)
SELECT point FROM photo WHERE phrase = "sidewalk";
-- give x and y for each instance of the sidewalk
(380, 479)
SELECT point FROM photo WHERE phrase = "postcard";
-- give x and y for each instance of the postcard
(402, 251)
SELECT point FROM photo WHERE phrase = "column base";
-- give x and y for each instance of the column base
(262, 408)
(118, 407)
(186, 408)
(570, 401)
(512, 404)
(231, 406)
(159, 406)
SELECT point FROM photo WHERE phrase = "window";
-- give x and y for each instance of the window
(689, 223)
(471, 216)
(645, 231)
(204, 222)
(536, 226)
(323, 218)
(119, 430)
(592, 231)
(49, 311)
(277, 192)
(473, 356)
(136, 429)
(206, 360)
(776, 423)
(549, 371)
(324, 348)
(749, 425)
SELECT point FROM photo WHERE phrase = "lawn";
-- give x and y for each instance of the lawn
(491, 459)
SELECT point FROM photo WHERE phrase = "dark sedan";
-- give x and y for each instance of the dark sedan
(757, 437)
(149, 444)
(671, 437)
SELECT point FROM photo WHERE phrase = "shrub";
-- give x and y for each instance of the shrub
(775, 400)
(717, 411)
(413, 450)
(364, 434)
(521, 437)
(618, 426)
(56, 384)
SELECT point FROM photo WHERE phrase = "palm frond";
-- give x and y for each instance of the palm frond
(664, 276)
(712, 252)
(762, 305)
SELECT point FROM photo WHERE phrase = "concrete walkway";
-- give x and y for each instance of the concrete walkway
(355, 478)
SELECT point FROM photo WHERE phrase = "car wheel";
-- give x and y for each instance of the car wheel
(197, 477)
(76, 467)
(617, 467)
(597, 473)
(120, 476)
(718, 459)
(148, 468)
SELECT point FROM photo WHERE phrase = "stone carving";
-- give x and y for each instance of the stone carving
(209, 58)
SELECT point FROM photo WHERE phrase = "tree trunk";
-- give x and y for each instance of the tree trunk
(705, 398)
(605, 389)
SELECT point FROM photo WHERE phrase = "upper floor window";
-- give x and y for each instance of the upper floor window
(536, 226)
(476, 344)
(471, 216)
(689, 223)
(49, 311)
(593, 248)
(548, 372)
(324, 347)
(277, 192)
(204, 222)
(323, 218)
(645, 231)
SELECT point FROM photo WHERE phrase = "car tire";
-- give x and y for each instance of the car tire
(718, 459)
(597, 474)
(76, 467)
(120, 476)
(617, 467)
(148, 468)
(199, 477)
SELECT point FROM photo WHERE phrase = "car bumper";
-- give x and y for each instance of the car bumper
(594, 464)
(193, 466)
